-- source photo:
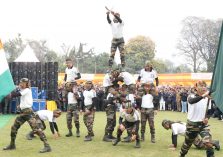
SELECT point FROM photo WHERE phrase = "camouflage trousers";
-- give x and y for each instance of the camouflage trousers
(117, 43)
(193, 130)
(40, 124)
(72, 111)
(131, 127)
(147, 114)
(111, 119)
(27, 115)
(198, 143)
(88, 119)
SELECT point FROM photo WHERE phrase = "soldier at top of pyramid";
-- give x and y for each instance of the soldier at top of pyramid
(117, 40)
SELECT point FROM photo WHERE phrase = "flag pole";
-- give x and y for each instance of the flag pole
(216, 58)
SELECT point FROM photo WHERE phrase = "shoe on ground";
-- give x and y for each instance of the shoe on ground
(9, 147)
(88, 138)
(115, 142)
(45, 149)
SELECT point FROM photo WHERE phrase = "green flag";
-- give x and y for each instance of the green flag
(6, 82)
(217, 78)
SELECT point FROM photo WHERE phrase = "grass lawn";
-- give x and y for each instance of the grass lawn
(73, 146)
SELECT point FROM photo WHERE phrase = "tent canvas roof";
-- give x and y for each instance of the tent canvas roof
(27, 55)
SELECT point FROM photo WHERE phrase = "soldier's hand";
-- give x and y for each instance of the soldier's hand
(81, 112)
(205, 121)
(87, 112)
(173, 148)
(133, 138)
(155, 112)
(122, 127)
(58, 134)
(112, 12)
(108, 12)
(55, 135)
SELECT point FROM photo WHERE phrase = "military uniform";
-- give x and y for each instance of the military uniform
(197, 106)
(148, 105)
(110, 108)
(43, 115)
(73, 111)
(26, 115)
(89, 111)
(118, 40)
(131, 122)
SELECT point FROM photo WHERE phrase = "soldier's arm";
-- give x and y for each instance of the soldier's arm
(16, 94)
(108, 18)
(118, 18)
(194, 99)
(174, 140)
(65, 78)
(139, 78)
(78, 76)
(53, 125)
(120, 120)
(157, 81)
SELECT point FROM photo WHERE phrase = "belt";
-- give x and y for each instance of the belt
(147, 108)
(194, 123)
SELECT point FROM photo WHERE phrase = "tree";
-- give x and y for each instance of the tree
(199, 41)
(80, 57)
(139, 50)
(183, 68)
(14, 47)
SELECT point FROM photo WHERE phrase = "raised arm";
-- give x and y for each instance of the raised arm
(108, 17)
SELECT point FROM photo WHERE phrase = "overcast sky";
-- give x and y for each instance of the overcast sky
(75, 21)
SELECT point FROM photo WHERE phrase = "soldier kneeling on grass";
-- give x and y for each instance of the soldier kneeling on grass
(42, 116)
(132, 119)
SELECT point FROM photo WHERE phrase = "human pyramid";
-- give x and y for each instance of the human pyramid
(139, 103)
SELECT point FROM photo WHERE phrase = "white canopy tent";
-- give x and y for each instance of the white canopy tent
(27, 55)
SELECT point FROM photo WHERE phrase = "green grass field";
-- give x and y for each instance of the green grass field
(73, 146)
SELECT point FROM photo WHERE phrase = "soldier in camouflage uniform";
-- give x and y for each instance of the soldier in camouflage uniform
(26, 115)
(110, 108)
(89, 109)
(197, 120)
(132, 119)
(148, 110)
(117, 40)
(179, 128)
(73, 108)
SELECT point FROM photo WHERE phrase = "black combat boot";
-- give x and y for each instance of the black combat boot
(78, 133)
(111, 136)
(137, 144)
(69, 134)
(216, 144)
(142, 136)
(46, 148)
(116, 141)
(30, 136)
(153, 138)
(107, 139)
(11, 146)
(127, 139)
(88, 138)
(210, 152)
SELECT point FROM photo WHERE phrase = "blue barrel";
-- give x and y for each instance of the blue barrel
(43, 94)
(34, 92)
(42, 104)
(35, 105)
